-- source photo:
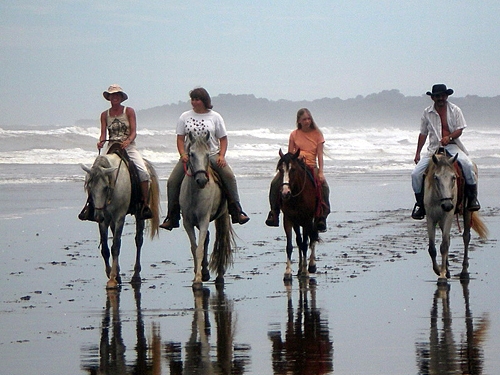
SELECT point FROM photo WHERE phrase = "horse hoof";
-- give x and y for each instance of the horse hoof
(464, 276)
(219, 280)
(111, 285)
(197, 286)
(442, 281)
(205, 276)
(312, 269)
(287, 277)
(136, 280)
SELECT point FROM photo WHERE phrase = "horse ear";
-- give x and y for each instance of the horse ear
(434, 159)
(85, 168)
(281, 153)
(191, 137)
(297, 153)
(207, 137)
(454, 159)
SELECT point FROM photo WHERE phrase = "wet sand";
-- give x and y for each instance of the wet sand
(374, 307)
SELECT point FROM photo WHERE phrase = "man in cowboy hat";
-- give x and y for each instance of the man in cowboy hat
(443, 122)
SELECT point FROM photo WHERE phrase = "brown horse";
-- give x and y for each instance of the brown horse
(443, 196)
(298, 204)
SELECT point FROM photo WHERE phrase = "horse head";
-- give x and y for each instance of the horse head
(442, 181)
(199, 158)
(287, 166)
(98, 184)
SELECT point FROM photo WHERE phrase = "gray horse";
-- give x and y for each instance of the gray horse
(108, 182)
(203, 201)
(443, 195)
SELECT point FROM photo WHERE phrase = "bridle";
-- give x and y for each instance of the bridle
(290, 187)
(194, 174)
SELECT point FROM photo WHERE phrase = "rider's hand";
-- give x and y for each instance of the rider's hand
(221, 161)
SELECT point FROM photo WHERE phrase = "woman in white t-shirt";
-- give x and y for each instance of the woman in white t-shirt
(202, 120)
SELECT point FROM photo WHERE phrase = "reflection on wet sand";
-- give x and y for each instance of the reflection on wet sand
(306, 347)
(199, 358)
(109, 357)
(442, 355)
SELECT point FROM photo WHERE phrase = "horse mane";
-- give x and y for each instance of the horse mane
(95, 173)
(288, 158)
(438, 161)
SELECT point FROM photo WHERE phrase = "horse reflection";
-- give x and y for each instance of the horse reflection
(109, 357)
(442, 354)
(229, 358)
(306, 347)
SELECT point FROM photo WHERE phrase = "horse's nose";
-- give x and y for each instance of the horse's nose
(201, 182)
(286, 194)
(447, 206)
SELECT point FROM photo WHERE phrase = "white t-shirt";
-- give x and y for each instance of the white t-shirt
(200, 124)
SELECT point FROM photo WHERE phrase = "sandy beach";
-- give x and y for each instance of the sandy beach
(374, 308)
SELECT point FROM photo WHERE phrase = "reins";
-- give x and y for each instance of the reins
(186, 172)
(303, 185)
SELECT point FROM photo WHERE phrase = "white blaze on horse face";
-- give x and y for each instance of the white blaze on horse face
(285, 184)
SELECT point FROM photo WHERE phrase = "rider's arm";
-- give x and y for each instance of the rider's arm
(319, 151)
(102, 137)
(420, 144)
(221, 160)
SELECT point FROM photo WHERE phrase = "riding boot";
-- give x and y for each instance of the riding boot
(472, 202)
(87, 212)
(418, 212)
(273, 218)
(237, 214)
(173, 217)
(145, 211)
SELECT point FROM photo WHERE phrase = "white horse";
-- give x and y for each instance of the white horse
(443, 192)
(203, 201)
(109, 184)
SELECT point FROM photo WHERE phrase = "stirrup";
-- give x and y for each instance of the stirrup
(321, 225)
(145, 213)
(169, 224)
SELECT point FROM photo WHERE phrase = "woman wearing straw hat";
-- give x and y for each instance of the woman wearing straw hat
(119, 123)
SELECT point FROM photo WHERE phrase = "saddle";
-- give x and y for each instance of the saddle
(135, 196)
(317, 186)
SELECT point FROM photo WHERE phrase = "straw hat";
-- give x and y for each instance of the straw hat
(113, 89)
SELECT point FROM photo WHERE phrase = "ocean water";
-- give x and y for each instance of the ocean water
(38, 155)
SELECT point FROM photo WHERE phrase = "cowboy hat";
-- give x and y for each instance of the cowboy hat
(113, 89)
(440, 89)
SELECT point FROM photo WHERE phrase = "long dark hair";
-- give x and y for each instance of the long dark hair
(203, 95)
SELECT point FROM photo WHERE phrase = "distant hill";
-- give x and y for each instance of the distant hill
(387, 108)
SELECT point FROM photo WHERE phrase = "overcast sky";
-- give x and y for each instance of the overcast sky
(58, 56)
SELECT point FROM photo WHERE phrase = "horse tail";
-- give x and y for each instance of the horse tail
(478, 225)
(154, 200)
(222, 254)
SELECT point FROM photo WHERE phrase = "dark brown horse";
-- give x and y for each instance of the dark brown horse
(299, 204)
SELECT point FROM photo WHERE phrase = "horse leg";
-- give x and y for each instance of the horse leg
(287, 225)
(464, 275)
(303, 255)
(103, 232)
(431, 233)
(444, 248)
(139, 239)
(205, 273)
(299, 240)
(200, 251)
(114, 276)
(312, 257)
